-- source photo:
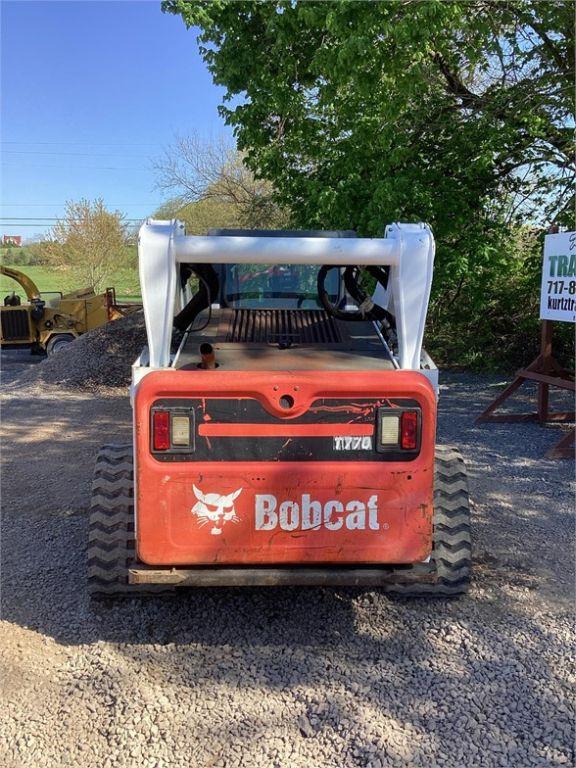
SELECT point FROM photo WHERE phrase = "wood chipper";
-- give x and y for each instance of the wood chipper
(284, 421)
(50, 320)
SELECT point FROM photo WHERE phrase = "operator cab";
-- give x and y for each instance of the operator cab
(276, 286)
(277, 316)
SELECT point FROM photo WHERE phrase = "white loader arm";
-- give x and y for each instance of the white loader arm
(408, 249)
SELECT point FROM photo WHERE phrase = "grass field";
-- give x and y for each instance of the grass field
(50, 279)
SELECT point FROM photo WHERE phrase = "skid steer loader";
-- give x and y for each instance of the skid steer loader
(284, 421)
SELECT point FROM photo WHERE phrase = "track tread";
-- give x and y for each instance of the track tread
(452, 552)
(111, 545)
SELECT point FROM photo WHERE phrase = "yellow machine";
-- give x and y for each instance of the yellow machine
(48, 321)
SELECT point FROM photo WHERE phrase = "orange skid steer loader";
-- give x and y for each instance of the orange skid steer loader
(284, 421)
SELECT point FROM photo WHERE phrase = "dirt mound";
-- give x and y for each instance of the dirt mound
(97, 360)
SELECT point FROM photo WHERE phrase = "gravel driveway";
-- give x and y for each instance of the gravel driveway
(285, 677)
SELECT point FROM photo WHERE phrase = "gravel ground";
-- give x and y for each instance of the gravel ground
(284, 678)
(95, 362)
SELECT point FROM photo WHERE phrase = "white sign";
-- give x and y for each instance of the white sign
(558, 292)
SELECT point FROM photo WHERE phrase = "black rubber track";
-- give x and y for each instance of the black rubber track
(111, 544)
(452, 550)
(111, 525)
(111, 530)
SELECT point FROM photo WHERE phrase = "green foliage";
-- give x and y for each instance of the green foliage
(33, 254)
(202, 215)
(491, 320)
(456, 112)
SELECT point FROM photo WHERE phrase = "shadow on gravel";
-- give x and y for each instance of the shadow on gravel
(347, 658)
(490, 666)
(523, 509)
(49, 447)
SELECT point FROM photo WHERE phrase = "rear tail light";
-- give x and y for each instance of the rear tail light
(398, 432)
(409, 431)
(180, 430)
(389, 429)
(172, 429)
(161, 430)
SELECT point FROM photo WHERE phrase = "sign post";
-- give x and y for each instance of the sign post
(557, 302)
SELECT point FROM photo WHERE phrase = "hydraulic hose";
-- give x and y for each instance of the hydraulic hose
(367, 309)
(208, 287)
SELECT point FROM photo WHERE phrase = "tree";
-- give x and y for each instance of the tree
(215, 187)
(202, 215)
(346, 105)
(456, 112)
(90, 240)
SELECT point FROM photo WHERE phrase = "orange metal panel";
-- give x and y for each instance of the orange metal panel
(280, 512)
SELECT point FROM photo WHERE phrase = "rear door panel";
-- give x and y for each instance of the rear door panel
(270, 485)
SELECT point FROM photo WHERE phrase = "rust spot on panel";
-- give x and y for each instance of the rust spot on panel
(364, 410)
(205, 415)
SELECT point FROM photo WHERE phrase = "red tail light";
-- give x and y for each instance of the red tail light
(161, 430)
(409, 431)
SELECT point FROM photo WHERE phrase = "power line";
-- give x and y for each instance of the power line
(81, 143)
(19, 225)
(33, 218)
(48, 222)
(69, 154)
(55, 221)
(41, 225)
(132, 169)
(56, 205)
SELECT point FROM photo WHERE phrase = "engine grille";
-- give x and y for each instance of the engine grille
(282, 326)
(14, 324)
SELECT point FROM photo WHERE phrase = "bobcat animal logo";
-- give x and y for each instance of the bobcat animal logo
(215, 509)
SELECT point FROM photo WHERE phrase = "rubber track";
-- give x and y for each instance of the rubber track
(452, 552)
(111, 530)
(111, 526)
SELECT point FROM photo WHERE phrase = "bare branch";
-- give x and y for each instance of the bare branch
(197, 171)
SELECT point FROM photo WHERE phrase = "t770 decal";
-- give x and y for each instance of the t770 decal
(351, 443)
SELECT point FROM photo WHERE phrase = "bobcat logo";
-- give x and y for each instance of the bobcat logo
(215, 509)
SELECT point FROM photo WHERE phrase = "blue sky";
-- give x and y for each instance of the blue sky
(91, 93)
